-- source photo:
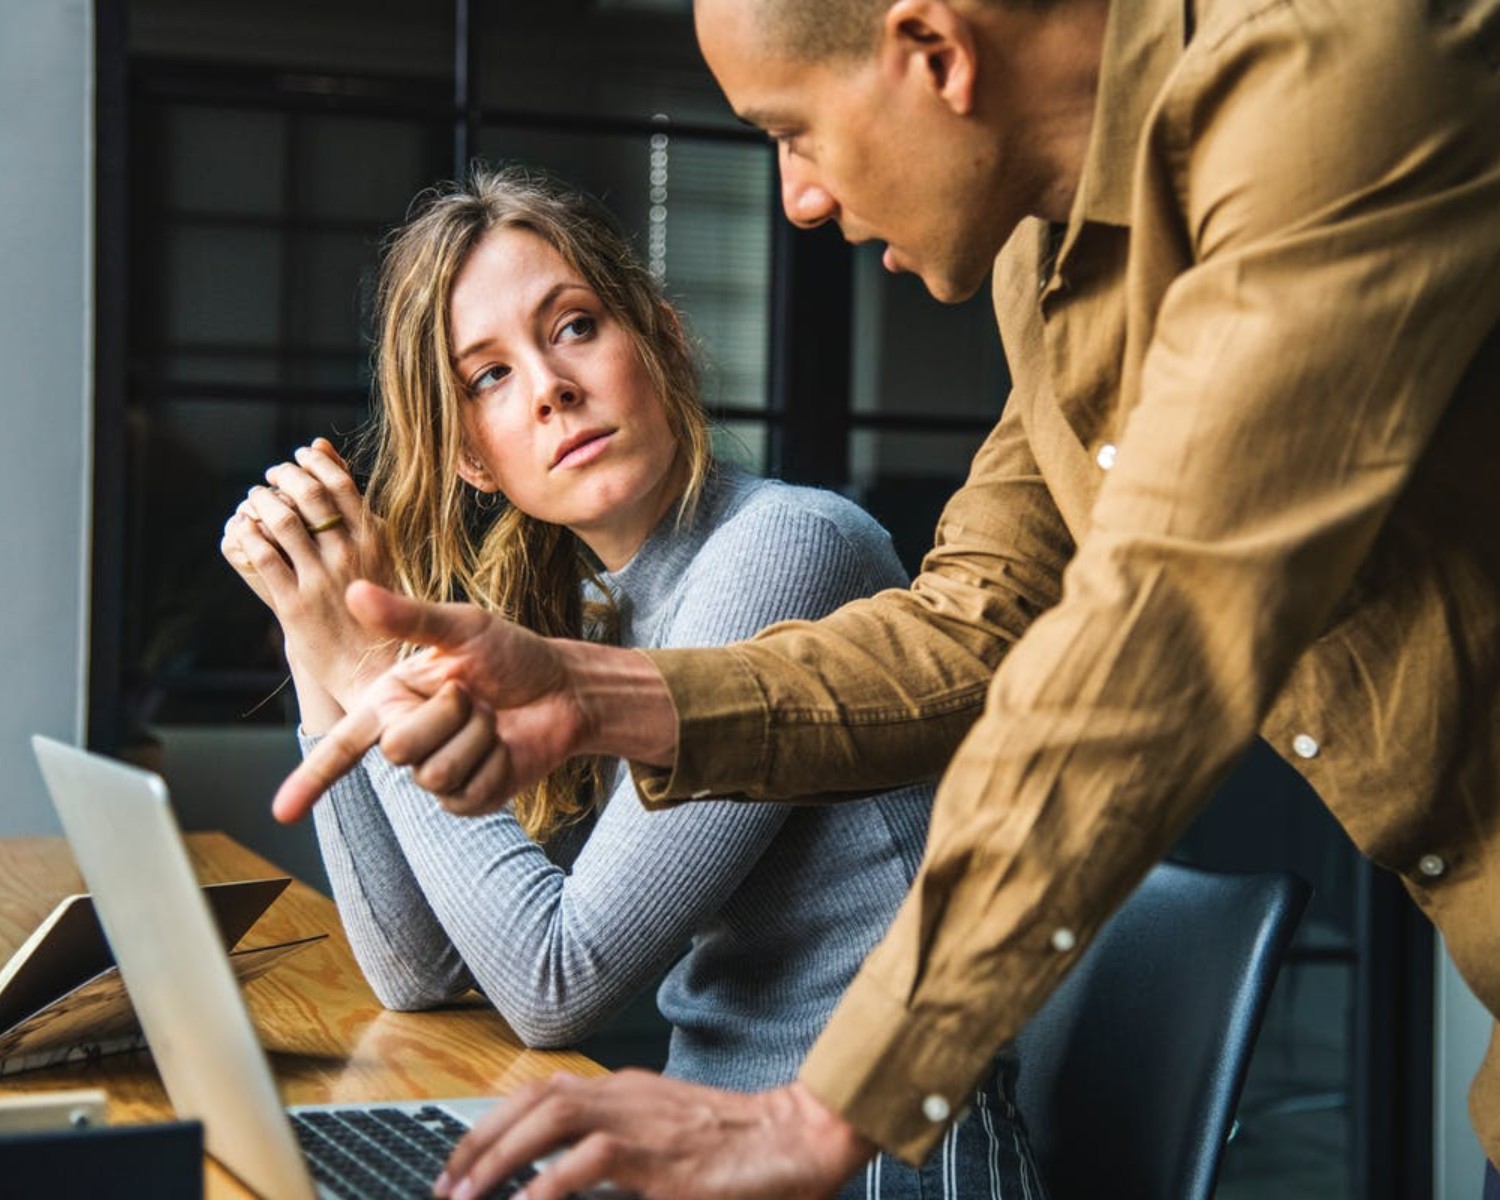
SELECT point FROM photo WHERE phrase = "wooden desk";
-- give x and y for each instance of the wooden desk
(327, 1036)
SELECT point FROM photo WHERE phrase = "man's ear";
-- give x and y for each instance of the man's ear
(475, 473)
(933, 38)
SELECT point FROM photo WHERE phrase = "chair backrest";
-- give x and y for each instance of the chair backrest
(1131, 1071)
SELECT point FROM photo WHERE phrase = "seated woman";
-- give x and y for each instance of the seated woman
(541, 450)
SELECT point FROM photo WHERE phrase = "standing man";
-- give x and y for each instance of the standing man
(1248, 283)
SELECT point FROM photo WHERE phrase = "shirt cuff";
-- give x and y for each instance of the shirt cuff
(723, 721)
(900, 1079)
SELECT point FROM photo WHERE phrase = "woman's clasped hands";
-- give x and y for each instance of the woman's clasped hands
(299, 541)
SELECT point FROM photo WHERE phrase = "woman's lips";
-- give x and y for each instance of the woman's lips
(583, 450)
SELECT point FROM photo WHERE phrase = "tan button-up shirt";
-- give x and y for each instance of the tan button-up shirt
(1245, 481)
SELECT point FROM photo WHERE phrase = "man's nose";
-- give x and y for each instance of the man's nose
(808, 204)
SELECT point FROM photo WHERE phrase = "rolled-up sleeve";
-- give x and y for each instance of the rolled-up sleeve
(879, 693)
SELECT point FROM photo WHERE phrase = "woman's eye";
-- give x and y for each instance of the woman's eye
(486, 379)
(578, 327)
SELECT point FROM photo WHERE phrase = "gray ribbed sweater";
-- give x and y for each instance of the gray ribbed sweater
(768, 910)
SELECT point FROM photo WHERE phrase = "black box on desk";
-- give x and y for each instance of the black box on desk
(123, 1162)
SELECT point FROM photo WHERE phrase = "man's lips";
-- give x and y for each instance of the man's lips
(581, 447)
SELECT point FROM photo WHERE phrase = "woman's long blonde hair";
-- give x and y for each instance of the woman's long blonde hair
(445, 543)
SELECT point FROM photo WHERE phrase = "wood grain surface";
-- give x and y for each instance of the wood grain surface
(327, 1037)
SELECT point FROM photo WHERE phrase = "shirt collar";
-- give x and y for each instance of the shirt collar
(1143, 40)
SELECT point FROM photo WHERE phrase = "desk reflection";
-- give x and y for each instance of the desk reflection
(326, 1035)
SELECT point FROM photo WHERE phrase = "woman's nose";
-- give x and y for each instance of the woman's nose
(554, 393)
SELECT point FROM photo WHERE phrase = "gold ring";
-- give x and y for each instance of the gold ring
(332, 522)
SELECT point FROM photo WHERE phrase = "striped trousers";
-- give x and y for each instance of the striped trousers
(985, 1156)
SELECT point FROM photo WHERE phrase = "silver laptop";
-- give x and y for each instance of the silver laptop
(122, 832)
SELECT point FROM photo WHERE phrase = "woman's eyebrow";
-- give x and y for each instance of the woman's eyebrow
(549, 297)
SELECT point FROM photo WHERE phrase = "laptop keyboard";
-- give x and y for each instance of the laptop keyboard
(383, 1153)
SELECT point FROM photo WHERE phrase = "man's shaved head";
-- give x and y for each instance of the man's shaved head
(819, 31)
(829, 30)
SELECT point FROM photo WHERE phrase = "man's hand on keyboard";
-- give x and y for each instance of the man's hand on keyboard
(661, 1139)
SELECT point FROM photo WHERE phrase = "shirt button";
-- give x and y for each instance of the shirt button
(1106, 456)
(1432, 865)
(1063, 940)
(936, 1109)
(1304, 745)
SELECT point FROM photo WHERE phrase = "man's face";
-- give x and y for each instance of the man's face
(870, 146)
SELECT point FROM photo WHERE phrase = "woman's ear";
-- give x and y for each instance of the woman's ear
(475, 473)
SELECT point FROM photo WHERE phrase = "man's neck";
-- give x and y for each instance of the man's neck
(1055, 66)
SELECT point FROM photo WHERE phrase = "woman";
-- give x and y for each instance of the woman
(541, 450)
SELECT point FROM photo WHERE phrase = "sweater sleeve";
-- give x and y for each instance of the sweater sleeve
(399, 943)
(558, 951)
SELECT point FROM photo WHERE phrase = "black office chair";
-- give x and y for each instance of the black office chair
(1131, 1071)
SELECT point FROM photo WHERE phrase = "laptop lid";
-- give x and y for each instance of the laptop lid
(120, 826)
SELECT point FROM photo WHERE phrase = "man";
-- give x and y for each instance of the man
(1249, 291)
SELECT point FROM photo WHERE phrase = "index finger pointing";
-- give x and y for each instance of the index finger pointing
(332, 758)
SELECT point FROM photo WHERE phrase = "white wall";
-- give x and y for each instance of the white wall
(1461, 1031)
(46, 263)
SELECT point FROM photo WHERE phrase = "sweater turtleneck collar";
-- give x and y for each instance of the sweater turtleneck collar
(645, 584)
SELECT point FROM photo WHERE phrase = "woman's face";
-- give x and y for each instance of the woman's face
(561, 416)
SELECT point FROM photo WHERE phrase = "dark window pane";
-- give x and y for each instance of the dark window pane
(218, 160)
(203, 647)
(905, 477)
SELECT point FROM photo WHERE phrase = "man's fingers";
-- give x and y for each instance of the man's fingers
(593, 1160)
(580, 1166)
(427, 727)
(447, 768)
(535, 1121)
(487, 789)
(332, 758)
(423, 622)
(490, 1130)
